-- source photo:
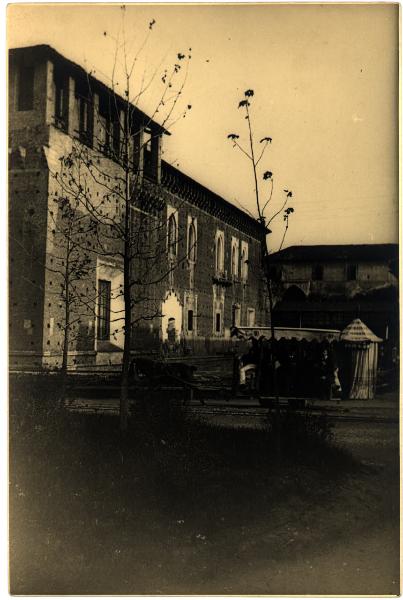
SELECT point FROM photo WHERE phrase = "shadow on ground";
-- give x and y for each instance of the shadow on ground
(181, 507)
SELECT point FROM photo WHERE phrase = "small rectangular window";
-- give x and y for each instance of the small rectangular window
(25, 88)
(218, 322)
(236, 315)
(116, 139)
(190, 320)
(351, 272)
(104, 309)
(317, 272)
(147, 153)
(85, 122)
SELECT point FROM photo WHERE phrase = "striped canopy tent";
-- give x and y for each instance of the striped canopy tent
(361, 345)
(287, 333)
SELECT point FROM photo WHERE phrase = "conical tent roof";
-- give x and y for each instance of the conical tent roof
(357, 331)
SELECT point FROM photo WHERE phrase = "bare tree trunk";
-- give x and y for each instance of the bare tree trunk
(273, 338)
(63, 371)
(127, 264)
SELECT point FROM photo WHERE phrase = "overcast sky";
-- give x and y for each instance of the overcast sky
(326, 92)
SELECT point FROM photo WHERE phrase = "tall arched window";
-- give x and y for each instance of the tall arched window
(172, 237)
(234, 256)
(192, 243)
(244, 261)
(219, 254)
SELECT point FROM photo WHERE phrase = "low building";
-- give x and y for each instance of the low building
(328, 286)
(207, 275)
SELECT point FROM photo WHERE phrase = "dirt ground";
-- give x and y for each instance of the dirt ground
(76, 530)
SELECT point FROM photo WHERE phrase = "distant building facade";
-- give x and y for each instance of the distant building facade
(329, 286)
(211, 265)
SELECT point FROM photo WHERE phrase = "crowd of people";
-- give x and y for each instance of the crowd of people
(289, 368)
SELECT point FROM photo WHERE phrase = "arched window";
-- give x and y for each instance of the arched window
(219, 254)
(244, 265)
(192, 243)
(172, 241)
(234, 260)
(244, 261)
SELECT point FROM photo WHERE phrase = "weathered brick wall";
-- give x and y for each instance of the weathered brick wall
(248, 295)
(36, 249)
(28, 179)
(27, 244)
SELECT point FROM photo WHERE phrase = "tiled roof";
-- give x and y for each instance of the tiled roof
(337, 252)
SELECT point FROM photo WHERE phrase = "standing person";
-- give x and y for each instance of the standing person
(326, 374)
(249, 360)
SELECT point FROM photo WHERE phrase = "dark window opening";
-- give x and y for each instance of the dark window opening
(112, 130)
(219, 255)
(172, 235)
(218, 322)
(61, 100)
(190, 320)
(26, 88)
(317, 272)
(351, 272)
(104, 309)
(85, 127)
(147, 146)
(192, 243)
(116, 139)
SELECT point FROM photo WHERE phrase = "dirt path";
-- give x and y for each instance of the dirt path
(363, 557)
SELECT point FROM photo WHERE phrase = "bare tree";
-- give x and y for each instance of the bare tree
(263, 179)
(71, 262)
(121, 201)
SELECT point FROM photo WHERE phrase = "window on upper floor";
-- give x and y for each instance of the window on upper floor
(219, 253)
(85, 121)
(61, 99)
(112, 138)
(244, 261)
(85, 113)
(147, 151)
(317, 272)
(351, 272)
(110, 128)
(25, 90)
(234, 257)
(172, 235)
(192, 242)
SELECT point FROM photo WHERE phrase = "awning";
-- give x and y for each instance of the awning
(287, 333)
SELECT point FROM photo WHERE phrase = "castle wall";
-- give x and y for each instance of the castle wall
(184, 291)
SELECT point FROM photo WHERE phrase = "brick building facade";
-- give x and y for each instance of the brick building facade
(208, 273)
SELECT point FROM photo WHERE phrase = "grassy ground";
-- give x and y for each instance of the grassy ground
(188, 508)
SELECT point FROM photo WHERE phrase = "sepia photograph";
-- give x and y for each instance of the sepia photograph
(203, 299)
